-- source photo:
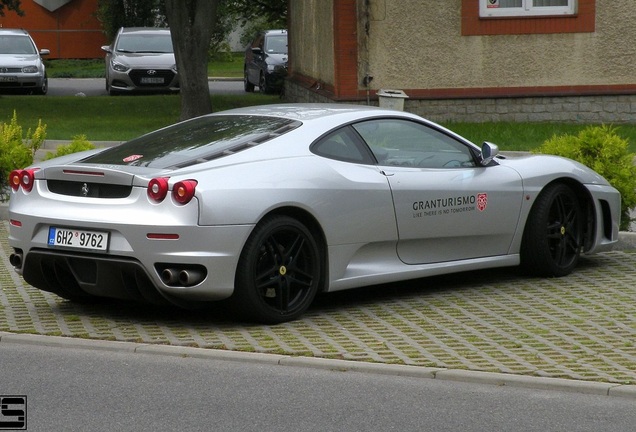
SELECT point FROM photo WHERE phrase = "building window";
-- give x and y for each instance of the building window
(526, 8)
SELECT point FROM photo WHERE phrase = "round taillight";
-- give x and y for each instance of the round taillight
(27, 178)
(158, 188)
(183, 191)
(22, 178)
(15, 179)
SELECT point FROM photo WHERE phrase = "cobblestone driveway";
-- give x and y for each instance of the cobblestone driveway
(581, 327)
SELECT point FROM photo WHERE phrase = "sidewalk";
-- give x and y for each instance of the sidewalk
(581, 327)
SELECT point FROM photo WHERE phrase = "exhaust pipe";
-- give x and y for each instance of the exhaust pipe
(190, 277)
(169, 276)
(16, 260)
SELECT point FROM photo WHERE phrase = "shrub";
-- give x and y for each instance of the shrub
(603, 150)
(16, 151)
(78, 144)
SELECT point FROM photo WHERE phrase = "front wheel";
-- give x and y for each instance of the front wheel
(279, 272)
(552, 240)
(247, 85)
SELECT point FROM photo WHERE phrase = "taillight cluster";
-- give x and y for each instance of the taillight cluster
(22, 179)
(182, 191)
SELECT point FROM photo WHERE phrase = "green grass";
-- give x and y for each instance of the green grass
(75, 68)
(102, 118)
(230, 65)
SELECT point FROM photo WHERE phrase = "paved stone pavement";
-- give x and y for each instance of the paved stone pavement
(580, 327)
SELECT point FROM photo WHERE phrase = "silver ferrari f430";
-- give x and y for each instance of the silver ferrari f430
(264, 207)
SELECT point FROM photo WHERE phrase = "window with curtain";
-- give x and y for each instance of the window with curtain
(522, 8)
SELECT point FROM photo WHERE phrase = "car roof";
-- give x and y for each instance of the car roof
(275, 32)
(17, 32)
(148, 30)
(306, 112)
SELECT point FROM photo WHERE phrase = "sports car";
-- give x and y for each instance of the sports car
(264, 207)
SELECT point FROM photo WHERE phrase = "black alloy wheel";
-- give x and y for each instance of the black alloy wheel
(279, 271)
(552, 240)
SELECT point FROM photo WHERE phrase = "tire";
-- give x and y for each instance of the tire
(552, 240)
(247, 85)
(279, 272)
(43, 90)
(262, 84)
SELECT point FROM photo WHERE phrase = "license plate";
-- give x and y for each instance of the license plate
(151, 80)
(74, 238)
(8, 79)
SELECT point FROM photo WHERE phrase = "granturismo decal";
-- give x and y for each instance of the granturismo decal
(441, 203)
(450, 205)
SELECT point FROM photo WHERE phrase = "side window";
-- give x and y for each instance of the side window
(341, 145)
(406, 143)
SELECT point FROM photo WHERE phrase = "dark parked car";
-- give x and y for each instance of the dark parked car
(21, 65)
(266, 62)
(141, 59)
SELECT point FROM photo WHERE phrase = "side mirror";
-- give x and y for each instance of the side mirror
(44, 51)
(257, 51)
(107, 48)
(488, 152)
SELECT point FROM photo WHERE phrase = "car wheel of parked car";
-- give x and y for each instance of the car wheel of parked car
(279, 271)
(262, 84)
(552, 239)
(249, 87)
(45, 86)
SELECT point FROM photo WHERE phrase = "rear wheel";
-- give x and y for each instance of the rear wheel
(552, 239)
(248, 86)
(279, 271)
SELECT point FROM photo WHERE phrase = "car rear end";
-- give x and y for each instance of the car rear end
(82, 231)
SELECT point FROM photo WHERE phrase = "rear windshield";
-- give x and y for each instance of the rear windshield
(195, 141)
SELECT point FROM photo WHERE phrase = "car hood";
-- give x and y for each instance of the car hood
(21, 60)
(276, 59)
(165, 60)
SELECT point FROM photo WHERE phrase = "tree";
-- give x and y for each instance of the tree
(191, 25)
(13, 5)
(114, 14)
(274, 12)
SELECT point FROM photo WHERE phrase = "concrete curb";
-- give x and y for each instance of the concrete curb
(488, 378)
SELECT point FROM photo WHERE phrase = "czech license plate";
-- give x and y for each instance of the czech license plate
(152, 80)
(82, 239)
(8, 79)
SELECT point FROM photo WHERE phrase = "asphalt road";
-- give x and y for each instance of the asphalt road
(97, 86)
(75, 389)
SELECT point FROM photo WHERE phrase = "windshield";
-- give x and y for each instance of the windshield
(16, 45)
(276, 44)
(144, 43)
(195, 141)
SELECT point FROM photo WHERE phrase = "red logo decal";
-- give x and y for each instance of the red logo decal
(132, 158)
(482, 201)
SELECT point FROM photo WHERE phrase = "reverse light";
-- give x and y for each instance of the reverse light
(183, 191)
(22, 178)
(158, 188)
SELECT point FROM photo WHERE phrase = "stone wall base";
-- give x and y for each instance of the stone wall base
(606, 109)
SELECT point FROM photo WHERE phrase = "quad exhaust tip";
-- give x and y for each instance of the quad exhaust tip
(183, 276)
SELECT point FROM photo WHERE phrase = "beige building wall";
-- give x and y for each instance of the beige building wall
(311, 43)
(417, 44)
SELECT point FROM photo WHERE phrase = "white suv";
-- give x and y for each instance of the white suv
(21, 65)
